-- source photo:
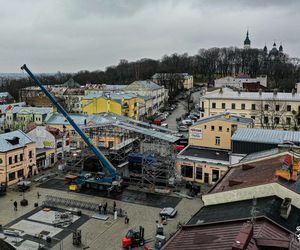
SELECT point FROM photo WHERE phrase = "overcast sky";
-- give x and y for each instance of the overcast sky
(72, 35)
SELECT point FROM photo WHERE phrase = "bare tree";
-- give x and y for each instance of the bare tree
(188, 102)
(272, 114)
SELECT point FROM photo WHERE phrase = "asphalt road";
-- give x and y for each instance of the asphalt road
(178, 112)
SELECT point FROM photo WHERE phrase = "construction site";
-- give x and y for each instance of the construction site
(115, 188)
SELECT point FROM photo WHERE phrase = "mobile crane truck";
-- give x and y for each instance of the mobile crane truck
(109, 179)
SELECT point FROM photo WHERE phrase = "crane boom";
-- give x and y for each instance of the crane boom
(103, 160)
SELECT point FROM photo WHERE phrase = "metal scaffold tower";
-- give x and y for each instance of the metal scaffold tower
(158, 154)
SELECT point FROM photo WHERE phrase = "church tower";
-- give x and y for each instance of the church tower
(247, 42)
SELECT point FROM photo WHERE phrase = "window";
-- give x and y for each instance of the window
(12, 176)
(212, 128)
(203, 105)
(288, 120)
(243, 106)
(110, 144)
(288, 108)
(276, 120)
(215, 175)
(266, 119)
(227, 129)
(253, 107)
(232, 105)
(10, 160)
(199, 173)
(220, 128)
(30, 154)
(187, 171)
(20, 173)
(16, 158)
(218, 140)
(204, 126)
(213, 105)
(59, 144)
(253, 117)
(277, 107)
(223, 105)
(266, 107)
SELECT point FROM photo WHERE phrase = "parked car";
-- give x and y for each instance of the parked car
(195, 114)
(165, 125)
(187, 122)
(193, 118)
(178, 119)
(23, 185)
(183, 128)
(157, 122)
(168, 212)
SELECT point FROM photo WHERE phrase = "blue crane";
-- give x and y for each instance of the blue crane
(113, 181)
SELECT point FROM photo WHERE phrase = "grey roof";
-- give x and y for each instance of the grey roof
(260, 154)
(234, 95)
(169, 75)
(104, 119)
(143, 85)
(34, 110)
(225, 117)
(7, 146)
(112, 96)
(71, 84)
(5, 94)
(56, 118)
(205, 154)
(3, 107)
(266, 136)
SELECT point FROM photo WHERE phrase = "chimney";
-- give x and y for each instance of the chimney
(275, 92)
(234, 182)
(260, 92)
(285, 208)
(293, 92)
(239, 91)
(247, 166)
(221, 91)
(243, 238)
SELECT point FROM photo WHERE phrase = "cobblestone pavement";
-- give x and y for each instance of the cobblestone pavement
(98, 234)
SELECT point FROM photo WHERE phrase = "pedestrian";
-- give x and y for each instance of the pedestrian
(105, 208)
(100, 208)
(126, 220)
(16, 206)
(38, 194)
(114, 206)
(115, 214)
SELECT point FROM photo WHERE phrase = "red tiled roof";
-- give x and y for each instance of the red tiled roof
(258, 173)
(223, 235)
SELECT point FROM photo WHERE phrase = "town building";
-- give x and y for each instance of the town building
(150, 89)
(242, 82)
(273, 110)
(22, 117)
(208, 156)
(5, 98)
(250, 140)
(249, 224)
(118, 103)
(215, 131)
(260, 174)
(185, 80)
(8, 106)
(17, 157)
(51, 145)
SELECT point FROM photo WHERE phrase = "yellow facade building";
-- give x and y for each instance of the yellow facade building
(117, 103)
(207, 157)
(17, 157)
(216, 131)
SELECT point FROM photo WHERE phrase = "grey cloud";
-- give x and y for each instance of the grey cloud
(70, 35)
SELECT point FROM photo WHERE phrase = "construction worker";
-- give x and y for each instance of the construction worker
(100, 208)
(114, 206)
(16, 206)
(105, 208)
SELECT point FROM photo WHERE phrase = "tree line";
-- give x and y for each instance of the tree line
(205, 66)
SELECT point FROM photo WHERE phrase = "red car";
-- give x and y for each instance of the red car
(157, 122)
